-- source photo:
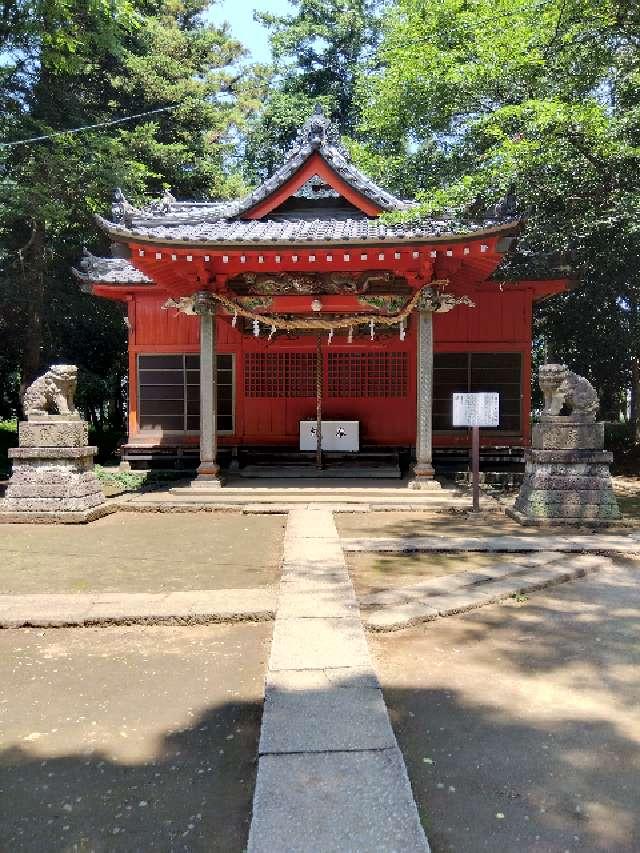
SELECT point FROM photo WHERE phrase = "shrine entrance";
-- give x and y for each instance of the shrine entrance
(316, 387)
(300, 303)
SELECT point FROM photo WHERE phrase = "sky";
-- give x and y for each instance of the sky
(239, 14)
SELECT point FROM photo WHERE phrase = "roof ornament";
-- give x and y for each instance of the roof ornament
(317, 133)
(162, 204)
(121, 208)
(95, 270)
(89, 261)
(316, 187)
(505, 208)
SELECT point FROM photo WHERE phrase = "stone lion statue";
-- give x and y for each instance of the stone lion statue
(53, 392)
(564, 389)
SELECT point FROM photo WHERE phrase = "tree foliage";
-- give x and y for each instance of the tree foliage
(540, 98)
(318, 51)
(73, 63)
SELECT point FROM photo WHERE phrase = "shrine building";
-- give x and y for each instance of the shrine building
(297, 304)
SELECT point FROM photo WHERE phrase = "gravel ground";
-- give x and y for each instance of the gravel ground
(129, 739)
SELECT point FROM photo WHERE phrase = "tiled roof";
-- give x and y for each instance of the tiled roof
(265, 231)
(317, 135)
(220, 223)
(95, 270)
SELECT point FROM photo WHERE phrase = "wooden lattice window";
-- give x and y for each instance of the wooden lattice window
(280, 374)
(169, 392)
(367, 374)
(478, 371)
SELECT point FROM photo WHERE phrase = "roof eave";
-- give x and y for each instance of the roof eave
(121, 234)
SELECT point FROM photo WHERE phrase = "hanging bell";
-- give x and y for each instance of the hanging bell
(272, 332)
(330, 338)
(372, 327)
(403, 331)
(350, 335)
(234, 320)
(256, 328)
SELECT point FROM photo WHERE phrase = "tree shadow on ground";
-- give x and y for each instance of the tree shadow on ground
(448, 523)
(520, 724)
(194, 795)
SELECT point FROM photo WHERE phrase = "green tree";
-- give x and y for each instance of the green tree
(540, 99)
(317, 53)
(73, 63)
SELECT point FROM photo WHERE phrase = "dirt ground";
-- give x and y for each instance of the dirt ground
(129, 739)
(372, 572)
(520, 723)
(143, 552)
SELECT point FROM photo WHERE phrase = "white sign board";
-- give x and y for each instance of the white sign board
(476, 410)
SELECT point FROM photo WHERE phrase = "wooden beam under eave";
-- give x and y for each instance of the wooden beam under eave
(121, 292)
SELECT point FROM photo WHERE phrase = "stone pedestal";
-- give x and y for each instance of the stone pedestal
(53, 472)
(567, 479)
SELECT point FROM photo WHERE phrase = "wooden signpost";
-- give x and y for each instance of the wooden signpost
(475, 411)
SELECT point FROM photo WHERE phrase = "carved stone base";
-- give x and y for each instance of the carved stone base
(54, 432)
(567, 487)
(423, 475)
(563, 433)
(56, 476)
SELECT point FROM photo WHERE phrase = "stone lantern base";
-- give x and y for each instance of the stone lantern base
(53, 477)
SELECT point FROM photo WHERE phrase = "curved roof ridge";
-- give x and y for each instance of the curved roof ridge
(317, 135)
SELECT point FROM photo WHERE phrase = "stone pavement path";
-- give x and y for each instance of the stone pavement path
(601, 543)
(400, 607)
(534, 562)
(59, 610)
(330, 774)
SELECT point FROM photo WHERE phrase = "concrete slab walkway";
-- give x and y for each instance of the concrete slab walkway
(137, 608)
(394, 609)
(600, 543)
(330, 774)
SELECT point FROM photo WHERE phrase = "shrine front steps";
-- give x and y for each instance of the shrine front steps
(282, 498)
(308, 472)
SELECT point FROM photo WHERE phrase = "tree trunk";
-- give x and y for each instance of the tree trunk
(635, 398)
(32, 268)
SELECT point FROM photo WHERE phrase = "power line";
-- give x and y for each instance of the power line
(86, 127)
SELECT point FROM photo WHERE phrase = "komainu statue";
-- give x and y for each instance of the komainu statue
(567, 393)
(52, 393)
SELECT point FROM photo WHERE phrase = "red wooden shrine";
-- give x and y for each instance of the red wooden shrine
(309, 243)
